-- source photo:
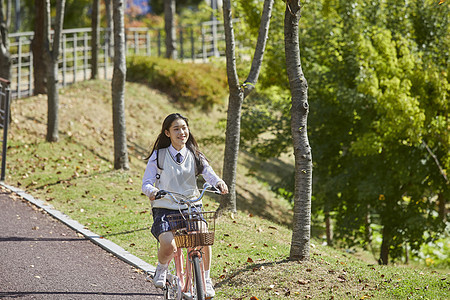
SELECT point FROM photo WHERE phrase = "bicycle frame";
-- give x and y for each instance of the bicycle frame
(184, 272)
(184, 284)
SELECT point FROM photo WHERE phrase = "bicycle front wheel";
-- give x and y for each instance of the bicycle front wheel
(198, 278)
(172, 291)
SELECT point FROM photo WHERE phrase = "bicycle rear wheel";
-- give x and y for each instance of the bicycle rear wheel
(198, 278)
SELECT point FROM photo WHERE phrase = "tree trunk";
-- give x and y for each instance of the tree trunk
(51, 59)
(39, 67)
(406, 254)
(368, 230)
(95, 37)
(8, 14)
(237, 95)
(235, 100)
(5, 57)
(328, 228)
(385, 245)
(110, 26)
(18, 18)
(53, 102)
(118, 88)
(299, 114)
(169, 26)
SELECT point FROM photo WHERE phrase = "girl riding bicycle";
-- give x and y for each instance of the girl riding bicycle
(173, 165)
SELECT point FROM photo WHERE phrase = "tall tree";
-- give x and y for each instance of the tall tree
(109, 27)
(95, 40)
(51, 54)
(5, 57)
(39, 66)
(237, 95)
(299, 116)
(376, 103)
(118, 88)
(170, 29)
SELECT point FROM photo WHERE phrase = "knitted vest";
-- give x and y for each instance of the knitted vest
(176, 177)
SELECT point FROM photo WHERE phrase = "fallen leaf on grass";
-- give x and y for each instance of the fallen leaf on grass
(249, 260)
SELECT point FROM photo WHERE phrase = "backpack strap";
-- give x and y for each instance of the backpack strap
(160, 157)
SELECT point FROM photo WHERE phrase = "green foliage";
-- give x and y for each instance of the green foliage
(202, 85)
(435, 253)
(378, 88)
(273, 69)
(158, 5)
(263, 130)
(77, 14)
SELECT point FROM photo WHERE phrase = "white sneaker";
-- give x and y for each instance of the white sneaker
(159, 279)
(209, 287)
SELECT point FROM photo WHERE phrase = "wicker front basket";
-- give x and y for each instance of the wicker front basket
(192, 230)
(191, 240)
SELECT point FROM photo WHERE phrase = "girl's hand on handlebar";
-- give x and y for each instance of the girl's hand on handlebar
(157, 194)
(152, 195)
(223, 188)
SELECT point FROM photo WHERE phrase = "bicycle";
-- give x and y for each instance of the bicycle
(192, 230)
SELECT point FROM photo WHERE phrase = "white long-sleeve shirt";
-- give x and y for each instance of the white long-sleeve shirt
(151, 171)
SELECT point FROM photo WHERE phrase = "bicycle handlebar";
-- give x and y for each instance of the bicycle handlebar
(206, 188)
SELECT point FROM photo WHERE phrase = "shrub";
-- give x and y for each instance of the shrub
(189, 84)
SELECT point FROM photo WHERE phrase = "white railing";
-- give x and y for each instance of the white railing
(196, 43)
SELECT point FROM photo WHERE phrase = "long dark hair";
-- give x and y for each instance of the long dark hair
(163, 141)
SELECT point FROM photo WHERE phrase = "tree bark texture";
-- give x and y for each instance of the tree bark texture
(170, 29)
(237, 95)
(385, 245)
(367, 229)
(118, 88)
(39, 67)
(328, 228)
(51, 59)
(235, 100)
(5, 57)
(95, 38)
(299, 115)
(110, 27)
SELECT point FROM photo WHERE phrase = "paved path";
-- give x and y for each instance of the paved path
(41, 258)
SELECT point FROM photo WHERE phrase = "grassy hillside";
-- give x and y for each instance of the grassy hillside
(76, 176)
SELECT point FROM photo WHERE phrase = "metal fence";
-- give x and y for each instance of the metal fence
(195, 43)
(5, 97)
